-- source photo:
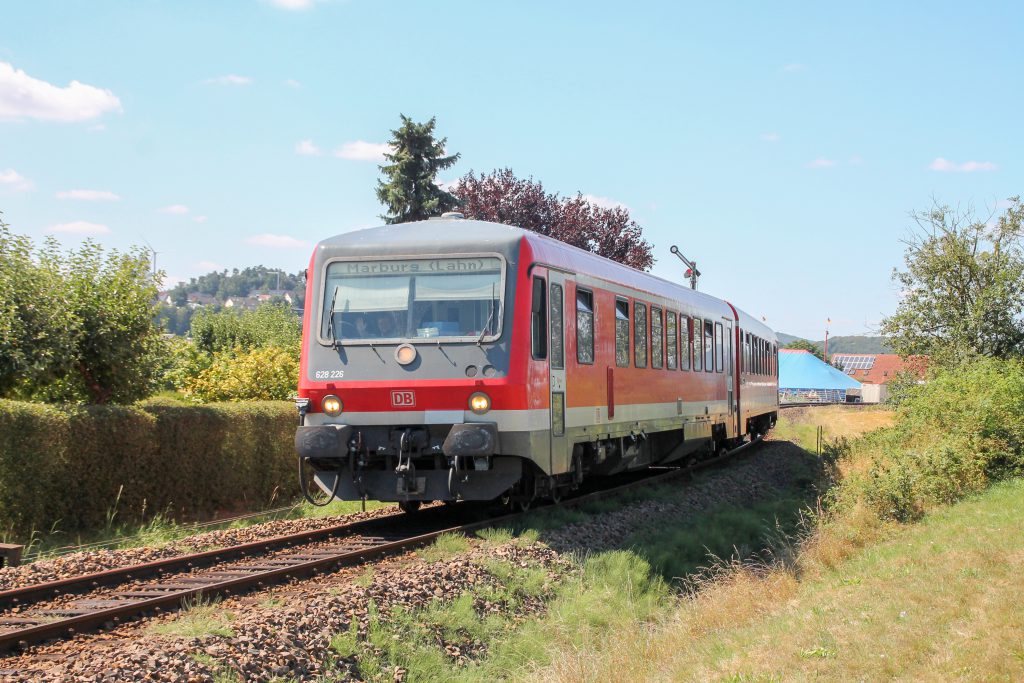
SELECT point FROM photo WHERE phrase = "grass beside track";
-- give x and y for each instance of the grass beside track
(939, 600)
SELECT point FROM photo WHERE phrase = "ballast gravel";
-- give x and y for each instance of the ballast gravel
(774, 466)
(286, 632)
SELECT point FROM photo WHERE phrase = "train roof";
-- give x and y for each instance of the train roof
(462, 235)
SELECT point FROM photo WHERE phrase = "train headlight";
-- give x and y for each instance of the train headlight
(331, 405)
(479, 403)
(405, 354)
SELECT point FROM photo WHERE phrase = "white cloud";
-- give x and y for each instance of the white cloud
(794, 67)
(360, 150)
(307, 148)
(13, 180)
(89, 195)
(771, 137)
(448, 185)
(292, 83)
(292, 4)
(945, 165)
(176, 209)
(275, 241)
(79, 228)
(230, 79)
(605, 202)
(821, 162)
(200, 219)
(22, 96)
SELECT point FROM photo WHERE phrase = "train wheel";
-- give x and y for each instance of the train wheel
(409, 506)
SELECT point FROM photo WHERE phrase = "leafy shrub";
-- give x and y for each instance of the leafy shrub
(954, 435)
(262, 374)
(268, 325)
(73, 467)
(77, 325)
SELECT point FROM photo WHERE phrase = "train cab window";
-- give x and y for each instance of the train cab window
(709, 346)
(640, 334)
(672, 337)
(622, 333)
(719, 348)
(539, 319)
(657, 337)
(557, 332)
(685, 342)
(698, 344)
(584, 327)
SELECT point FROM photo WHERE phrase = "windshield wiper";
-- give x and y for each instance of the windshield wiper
(487, 325)
(330, 321)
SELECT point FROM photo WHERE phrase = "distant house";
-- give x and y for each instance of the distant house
(875, 370)
(197, 299)
(242, 303)
(268, 295)
(805, 378)
(165, 298)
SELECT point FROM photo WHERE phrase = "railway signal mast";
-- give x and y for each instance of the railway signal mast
(691, 267)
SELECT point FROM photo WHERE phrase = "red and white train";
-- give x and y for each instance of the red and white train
(454, 359)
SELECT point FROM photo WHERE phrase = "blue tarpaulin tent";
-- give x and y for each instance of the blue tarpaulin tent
(804, 377)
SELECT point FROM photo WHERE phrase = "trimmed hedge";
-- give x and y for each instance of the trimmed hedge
(70, 467)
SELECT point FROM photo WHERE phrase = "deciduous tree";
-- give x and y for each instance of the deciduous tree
(804, 345)
(502, 197)
(409, 190)
(963, 287)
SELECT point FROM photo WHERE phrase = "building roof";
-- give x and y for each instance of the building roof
(799, 369)
(879, 368)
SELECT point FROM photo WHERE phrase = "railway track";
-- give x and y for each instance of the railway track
(103, 600)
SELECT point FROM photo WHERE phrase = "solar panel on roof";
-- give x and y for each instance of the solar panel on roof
(851, 362)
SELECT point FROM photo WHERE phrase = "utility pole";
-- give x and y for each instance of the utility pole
(827, 323)
(691, 266)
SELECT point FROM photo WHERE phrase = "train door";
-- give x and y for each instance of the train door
(556, 370)
(730, 372)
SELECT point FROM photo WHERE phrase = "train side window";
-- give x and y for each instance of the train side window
(672, 335)
(775, 360)
(755, 346)
(698, 344)
(760, 356)
(640, 334)
(584, 327)
(622, 333)
(746, 352)
(719, 348)
(685, 342)
(538, 320)
(557, 331)
(709, 346)
(657, 337)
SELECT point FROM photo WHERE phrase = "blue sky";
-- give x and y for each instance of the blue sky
(783, 147)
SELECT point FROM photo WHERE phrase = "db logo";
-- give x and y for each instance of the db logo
(403, 399)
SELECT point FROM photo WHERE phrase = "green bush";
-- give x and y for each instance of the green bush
(268, 325)
(954, 435)
(77, 467)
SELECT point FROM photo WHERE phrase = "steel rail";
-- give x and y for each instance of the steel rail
(159, 597)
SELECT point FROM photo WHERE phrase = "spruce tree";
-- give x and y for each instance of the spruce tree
(408, 190)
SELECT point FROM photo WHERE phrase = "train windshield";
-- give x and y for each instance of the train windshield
(454, 298)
